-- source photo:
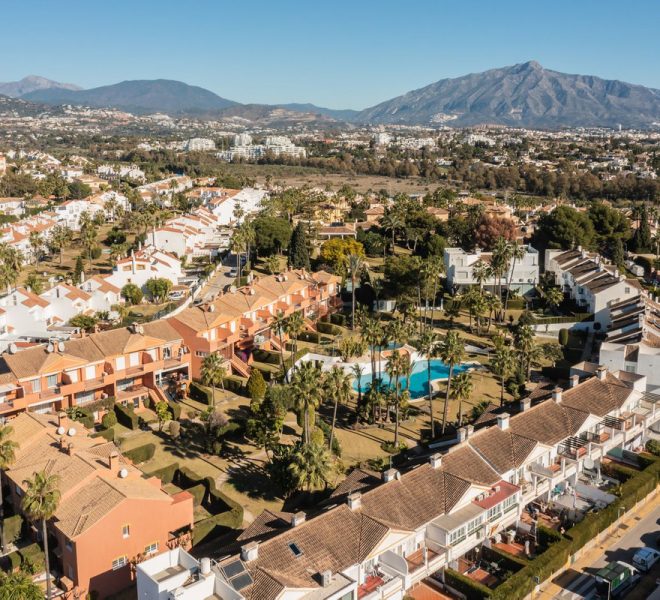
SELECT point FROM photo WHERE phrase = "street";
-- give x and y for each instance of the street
(629, 537)
(218, 282)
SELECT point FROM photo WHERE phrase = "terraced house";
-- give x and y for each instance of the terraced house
(382, 535)
(240, 320)
(109, 515)
(129, 364)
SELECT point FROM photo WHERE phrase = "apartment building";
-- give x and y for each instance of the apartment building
(241, 320)
(381, 535)
(593, 284)
(70, 212)
(109, 516)
(460, 265)
(143, 265)
(129, 364)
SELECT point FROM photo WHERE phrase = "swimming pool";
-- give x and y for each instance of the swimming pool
(418, 380)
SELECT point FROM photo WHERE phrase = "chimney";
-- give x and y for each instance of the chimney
(298, 518)
(250, 552)
(503, 421)
(436, 460)
(575, 379)
(61, 419)
(461, 434)
(525, 404)
(62, 443)
(556, 395)
(326, 578)
(390, 474)
(601, 373)
(113, 461)
(354, 500)
(70, 450)
(470, 430)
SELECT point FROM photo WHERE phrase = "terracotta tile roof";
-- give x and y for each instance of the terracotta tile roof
(358, 480)
(504, 450)
(465, 463)
(597, 397)
(548, 422)
(268, 523)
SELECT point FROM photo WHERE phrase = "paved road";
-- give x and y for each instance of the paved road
(218, 282)
(625, 541)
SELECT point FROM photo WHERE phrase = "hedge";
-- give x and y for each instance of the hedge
(469, 587)
(141, 454)
(198, 493)
(33, 556)
(328, 328)
(12, 561)
(126, 416)
(267, 356)
(11, 528)
(166, 474)
(106, 434)
(175, 409)
(309, 336)
(236, 384)
(200, 393)
(575, 318)
(546, 536)
(338, 319)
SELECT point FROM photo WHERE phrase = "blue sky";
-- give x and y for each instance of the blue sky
(340, 54)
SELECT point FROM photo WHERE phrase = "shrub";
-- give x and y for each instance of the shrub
(11, 528)
(547, 537)
(109, 419)
(200, 393)
(166, 474)
(96, 252)
(175, 429)
(175, 409)
(256, 385)
(268, 357)
(328, 328)
(33, 559)
(338, 319)
(563, 337)
(470, 588)
(11, 562)
(235, 384)
(309, 336)
(653, 446)
(126, 416)
(198, 493)
(141, 454)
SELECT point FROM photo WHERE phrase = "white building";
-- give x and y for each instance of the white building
(199, 145)
(69, 212)
(145, 264)
(593, 284)
(14, 207)
(460, 265)
(195, 234)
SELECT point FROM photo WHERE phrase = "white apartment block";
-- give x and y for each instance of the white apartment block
(147, 263)
(460, 265)
(380, 536)
(69, 212)
(593, 285)
(199, 145)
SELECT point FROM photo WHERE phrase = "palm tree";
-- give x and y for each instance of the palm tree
(307, 394)
(493, 305)
(502, 365)
(40, 501)
(11, 261)
(213, 372)
(481, 272)
(358, 370)
(337, 386)
(428, 346)
(372, 333)
(355, 266)
(36, 244)
(516, 252)
(554, 297)
(463, 387)
(500, 261)
(392, 222)
(310, 466)
(396, 368)
(527, 350)
(19, 586)
(279, 327)
(452, 352)
(272, 264)
(8, 449)
(295, 324)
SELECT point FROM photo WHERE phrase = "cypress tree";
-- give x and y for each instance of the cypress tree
(298, 250)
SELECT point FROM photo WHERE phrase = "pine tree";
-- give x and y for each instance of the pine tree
(298, 250)
(618, 253)
(78, 270)
(641, 241)
(256, 386)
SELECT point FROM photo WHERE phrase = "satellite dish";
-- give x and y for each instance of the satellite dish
(72, 432)
(13, 348)
(60, 346)
(123, 473)
(589, 463)
(50, 348)
(61, 430)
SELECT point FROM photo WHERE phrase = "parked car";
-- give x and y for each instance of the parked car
(233, 273)
(177, 295)
(645, 558)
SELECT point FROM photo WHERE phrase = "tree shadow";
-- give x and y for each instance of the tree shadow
(252, 480)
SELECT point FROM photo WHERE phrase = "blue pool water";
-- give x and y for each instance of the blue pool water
(418, 380)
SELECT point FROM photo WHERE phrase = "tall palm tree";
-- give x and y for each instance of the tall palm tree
(500, 261)
(502, 365)
(355, 266)
(11, 262)
(516, 252)
(452, 352)
(278, 325)
(213, 372)
(337, 386)
(462, 390)
(392, 222)
(307, 394)
(481, 272)
(36, 244)
(310, 466)
(554, 297)
(8, 449)
(40, 501)
(428, 346)
(358, 370)
(295, 324)
(493, 305)
(396, 368)
(372, 333)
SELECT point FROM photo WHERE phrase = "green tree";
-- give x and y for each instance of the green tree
(60, 238)
(19, 586)
(132, 294)
(163, 414)
(294, 326)
(272, 235)
(462, 390)
(256, 386)
(452, 353)
(337, 387)
(642, 239)
(8, 449)
(84, 322)
(564, 227)
(336, 253)
(278, 326)
(502, 364)
(428, 346)
(554, 297)
(213, 372)
(299, 249)
(35, 282)
(355, 266)
(78, 270)
(310, 466)
(158, 288)
(11, 262)
(264, 427)
(40, 501)
(307, 395)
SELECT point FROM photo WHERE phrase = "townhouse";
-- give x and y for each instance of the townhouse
(129, 364)
(18, 234)
(69, 212)
(240, 320)
(590, 282)
(143, 265)
(159, 190)
(381, 535)
(109, 515)
(460, 265)
(13, 207)
(248, 200)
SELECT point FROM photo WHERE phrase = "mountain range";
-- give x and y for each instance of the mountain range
(522, 95)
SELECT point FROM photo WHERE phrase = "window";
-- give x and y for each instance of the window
(509, 503)
(90, 372)
(119, 562)
(121, 363)
(68, 545)
(83, 398)
(151, 548)
(475, 524)
(167, 352)
(35, 384)
(457, 536)
(201, 354)
(125, 531)
(495, 512)
(134, 359)
(297, 552)
(73, 376)
(51, 381)
(627, 290)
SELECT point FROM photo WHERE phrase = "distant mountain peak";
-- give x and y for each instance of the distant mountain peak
(32, 83)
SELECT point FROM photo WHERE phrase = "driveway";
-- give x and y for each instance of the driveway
(218, 282)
